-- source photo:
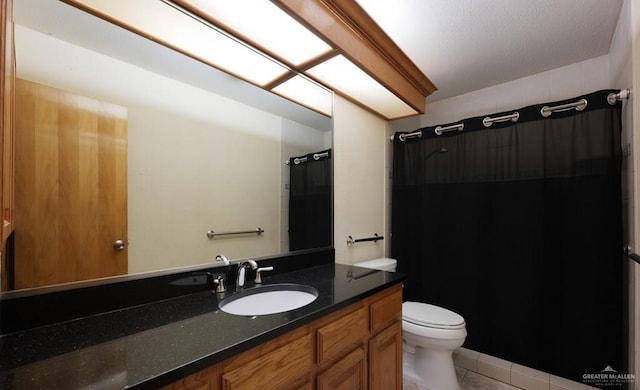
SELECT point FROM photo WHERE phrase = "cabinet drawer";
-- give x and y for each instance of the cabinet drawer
(336, 338)
(386, 310)
(278, 369)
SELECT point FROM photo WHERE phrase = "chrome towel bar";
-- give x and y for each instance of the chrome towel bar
(633, 256)
(212, 234)
(375, 238)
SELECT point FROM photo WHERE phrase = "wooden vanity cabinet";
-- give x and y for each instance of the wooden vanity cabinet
(358, 347)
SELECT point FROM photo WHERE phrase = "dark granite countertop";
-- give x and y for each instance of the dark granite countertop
(152, 345)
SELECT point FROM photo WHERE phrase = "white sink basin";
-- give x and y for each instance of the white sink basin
(269, 299)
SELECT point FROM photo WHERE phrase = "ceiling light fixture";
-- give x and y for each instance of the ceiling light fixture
(294, 48)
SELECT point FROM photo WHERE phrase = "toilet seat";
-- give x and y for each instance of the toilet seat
(424, 314)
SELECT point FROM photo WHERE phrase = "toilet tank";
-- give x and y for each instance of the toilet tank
(384, 264)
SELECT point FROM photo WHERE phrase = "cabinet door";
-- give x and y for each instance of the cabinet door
(284, 368)
(385, 359)
(350, 373)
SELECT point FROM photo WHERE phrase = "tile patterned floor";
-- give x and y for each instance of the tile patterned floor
(470, 380)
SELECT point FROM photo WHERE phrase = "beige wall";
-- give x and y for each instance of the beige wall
(633, 7)
(187, 177)
(556, 84)
(359, 192)
(621, 76)
(185, 156)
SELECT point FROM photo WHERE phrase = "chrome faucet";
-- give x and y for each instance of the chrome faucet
(242, 267)
(223, 259)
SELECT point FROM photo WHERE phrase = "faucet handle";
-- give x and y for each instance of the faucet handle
(258, 279)
(219, 281)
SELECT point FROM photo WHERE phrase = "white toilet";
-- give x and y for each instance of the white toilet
(430, 334)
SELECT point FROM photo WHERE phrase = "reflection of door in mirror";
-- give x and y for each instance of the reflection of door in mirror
(71, 187)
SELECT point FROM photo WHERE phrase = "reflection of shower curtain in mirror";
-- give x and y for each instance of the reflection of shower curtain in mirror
(310, 201)
(518, 228)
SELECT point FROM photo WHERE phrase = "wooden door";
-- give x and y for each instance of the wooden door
(7, 88)
(70, 187)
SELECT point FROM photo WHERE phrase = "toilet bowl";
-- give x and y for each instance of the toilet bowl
(430, 334)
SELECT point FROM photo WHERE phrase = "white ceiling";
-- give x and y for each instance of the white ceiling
(461, 45)
(466, 45)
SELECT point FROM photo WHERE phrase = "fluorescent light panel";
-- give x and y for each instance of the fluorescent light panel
(306, 92)
(342, 75)
(164, 23)
(268, 26)
(176, 29)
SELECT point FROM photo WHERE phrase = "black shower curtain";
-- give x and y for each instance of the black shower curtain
(310, 216)
(518, 227)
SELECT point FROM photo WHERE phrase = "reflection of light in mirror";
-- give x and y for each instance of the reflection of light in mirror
(58, 63)
(267, 25)
(307, 93)
(351, 80)
(169, 25)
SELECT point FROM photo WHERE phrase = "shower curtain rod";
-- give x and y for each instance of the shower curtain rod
(316, 156)
(624, 94)
(487, 122)
(580, 105)
(445, 129)
(546, 111)
(403, 137)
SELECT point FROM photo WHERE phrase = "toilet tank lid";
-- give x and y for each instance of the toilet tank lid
(384, 263)
(430, 315)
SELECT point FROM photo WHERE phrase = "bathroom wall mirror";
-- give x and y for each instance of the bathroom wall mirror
(203, 151)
